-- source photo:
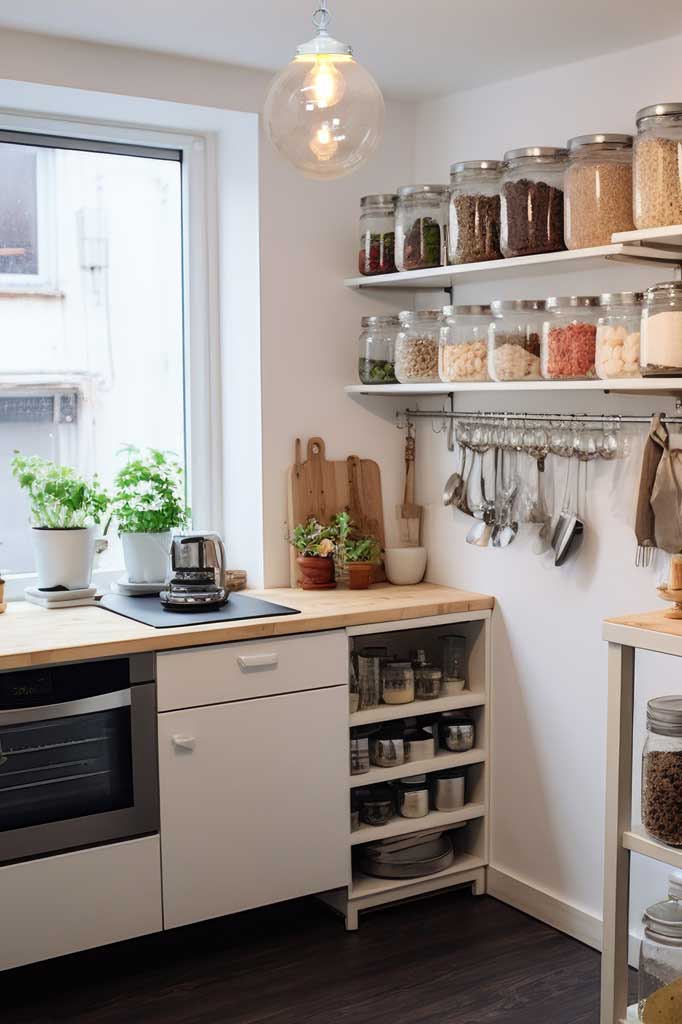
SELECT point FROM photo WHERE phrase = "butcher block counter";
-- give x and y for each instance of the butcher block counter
(36, 636)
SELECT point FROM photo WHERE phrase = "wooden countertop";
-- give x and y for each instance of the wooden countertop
(35, 636)
(647, 630)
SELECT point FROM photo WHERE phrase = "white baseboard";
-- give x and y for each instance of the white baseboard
(557, 913)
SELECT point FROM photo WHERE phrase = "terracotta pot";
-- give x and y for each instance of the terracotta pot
(360, 575)
(316, 573)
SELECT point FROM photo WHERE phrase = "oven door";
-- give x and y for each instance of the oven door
(77, 772)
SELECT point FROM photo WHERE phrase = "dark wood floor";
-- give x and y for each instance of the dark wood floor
(451, 959)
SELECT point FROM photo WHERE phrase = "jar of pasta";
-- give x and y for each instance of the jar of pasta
(463, 353)
(617, 341)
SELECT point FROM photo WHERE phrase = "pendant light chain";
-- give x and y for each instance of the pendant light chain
(322, 17)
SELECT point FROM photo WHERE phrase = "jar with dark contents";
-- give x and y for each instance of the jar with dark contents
(377, 235)
(377, 805)
(662, 771)
(514, 339)
(376, 359)
(420, 226)
(474, 223)
(428, 681)
(569, 334)
(532, 201)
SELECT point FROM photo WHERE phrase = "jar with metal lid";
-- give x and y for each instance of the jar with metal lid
(368, 663)
(413, 797)
(660, 964)
(377, 235)
(617, 339)
(416, 346)
(456, 733)
(662, 770)
(427, 682)
(568, 337)
(514, 339)
(377, 805)
(661, 330)
(474, 223)
(398, 682)
(463, 353)
(657, 160)
(453, 660)
(376, 363)
(420, 745)
(420, 226)
(598, 189)
(387, 748)
(532, 201)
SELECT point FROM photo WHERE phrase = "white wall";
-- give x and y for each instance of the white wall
(550, 663)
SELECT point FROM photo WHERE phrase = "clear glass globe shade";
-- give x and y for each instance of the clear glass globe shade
(324, 113)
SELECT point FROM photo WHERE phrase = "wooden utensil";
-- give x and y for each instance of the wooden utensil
(409, 513)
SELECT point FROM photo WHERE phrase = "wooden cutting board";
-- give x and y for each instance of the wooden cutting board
(320, 488)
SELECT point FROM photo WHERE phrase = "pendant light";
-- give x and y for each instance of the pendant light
(324, 112)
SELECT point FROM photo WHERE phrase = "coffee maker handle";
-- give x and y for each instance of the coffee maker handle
(219, 541)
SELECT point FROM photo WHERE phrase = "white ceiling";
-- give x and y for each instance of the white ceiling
(416, 48)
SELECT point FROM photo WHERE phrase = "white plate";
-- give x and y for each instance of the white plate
(124, 587)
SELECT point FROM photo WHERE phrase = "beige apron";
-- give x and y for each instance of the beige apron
(666, 498)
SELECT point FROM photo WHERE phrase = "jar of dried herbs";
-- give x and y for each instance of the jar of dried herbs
(377, 235)
(421, 214)
(474, 223)
(532, 201)
(376, 362)
(662, 771)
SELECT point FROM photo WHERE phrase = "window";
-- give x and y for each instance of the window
(96, 360)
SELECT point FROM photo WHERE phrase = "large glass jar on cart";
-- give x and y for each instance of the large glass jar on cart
(376, 358)
(474, 223)
(568, 337)
(463, 354)
(421, 215)
(377, 235)
(532, 201)
(618, 331)
(662, 771)
(514, 339)
(598, 189)
(660, 964)
(657, 160)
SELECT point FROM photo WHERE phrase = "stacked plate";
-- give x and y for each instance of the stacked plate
(425, 853)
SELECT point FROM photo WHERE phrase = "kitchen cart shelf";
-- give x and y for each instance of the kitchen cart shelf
(637, 841)
(443, 759)
(624, 385)
(521, 266)
(416, 708)
(655, 237)
(407, 826)
(366, 885)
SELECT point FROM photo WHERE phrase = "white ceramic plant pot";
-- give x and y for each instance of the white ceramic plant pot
(405, 565)
(146, 556)
(64, 557)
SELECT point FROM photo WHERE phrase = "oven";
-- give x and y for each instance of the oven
(78, 756)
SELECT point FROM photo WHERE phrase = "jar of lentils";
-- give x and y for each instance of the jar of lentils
(657, 180)
(416, 346)
(474, 224)
(662, 770)
(514, 339)
(420, 226)
(377, 235)
(598, 189)
(463, 351)
(532, 206)
(376, 362)
(617, 341)
(568, 337)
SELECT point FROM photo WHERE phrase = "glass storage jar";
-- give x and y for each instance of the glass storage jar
(617, 339)
(474, 222)
(662, 770)
(463, 353)
(368, 670)
(377, 235)
(387, 748)
(532, 201)
(413, 797)
(456, 733)
(398, 682)
(376, 362)
(660, 964)
(427, 682)
(377, 805)
(453, 658)
(660, 350)
(420, 220)
(568, 337)
(598, 189)
(657, 181)
(416, 346)
(514, 339)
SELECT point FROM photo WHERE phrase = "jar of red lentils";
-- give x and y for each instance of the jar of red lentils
(568, 337)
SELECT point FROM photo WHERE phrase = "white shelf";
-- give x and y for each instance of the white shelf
(390, 712)
(521, 266)
(365, 885)
(626, 385)
(407, 826)
(443, 759)
(670, 236)
(638, 841)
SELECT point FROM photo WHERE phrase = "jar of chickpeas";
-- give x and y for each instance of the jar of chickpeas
(416, 346)
(463, 351)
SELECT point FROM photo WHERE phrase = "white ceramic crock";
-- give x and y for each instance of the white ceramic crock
(405, 566)
(146, 556)
(64, 557)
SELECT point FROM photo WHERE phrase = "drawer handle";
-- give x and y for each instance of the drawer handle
(183, 742)
(247, 661)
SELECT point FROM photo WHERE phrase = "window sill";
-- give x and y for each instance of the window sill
(31, 293)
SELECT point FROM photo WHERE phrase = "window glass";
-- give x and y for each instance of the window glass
(18, 210)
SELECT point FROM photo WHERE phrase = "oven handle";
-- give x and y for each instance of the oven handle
(103, 702)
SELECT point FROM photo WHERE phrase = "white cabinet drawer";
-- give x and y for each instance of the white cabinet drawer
(198, 676)
(79, 900)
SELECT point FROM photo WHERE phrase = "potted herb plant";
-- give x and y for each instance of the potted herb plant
(65, 512)
(148, 504)
(361, 556)
(315, 545)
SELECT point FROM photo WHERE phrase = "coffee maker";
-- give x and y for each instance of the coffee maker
(197, 578)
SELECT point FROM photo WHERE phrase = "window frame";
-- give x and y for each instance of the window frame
(45, 279)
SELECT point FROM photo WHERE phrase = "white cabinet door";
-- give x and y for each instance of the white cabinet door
(254, 803)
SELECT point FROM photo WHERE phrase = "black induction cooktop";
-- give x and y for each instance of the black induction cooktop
(150, 611)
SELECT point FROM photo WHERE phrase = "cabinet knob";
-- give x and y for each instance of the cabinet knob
(247, 661)
(183, 742)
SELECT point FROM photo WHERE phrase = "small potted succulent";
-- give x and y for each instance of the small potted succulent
(315, 544)
(148, 504)
(66, 511)
(361, 556)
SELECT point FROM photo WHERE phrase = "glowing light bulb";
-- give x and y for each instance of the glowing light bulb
(323, 143)
(324, 85)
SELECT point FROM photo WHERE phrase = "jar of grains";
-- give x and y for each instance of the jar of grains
(514, 339)
(464, 343)
(376, 363)
(416, 346)
(617, 341)
(659, 980)
(662, 770)
(661, 330)
(568, 337)
(377, 235)
(598, 189)
(398, 682)
(420, 218)
(474, 224)
(532, 201)
(657, 180)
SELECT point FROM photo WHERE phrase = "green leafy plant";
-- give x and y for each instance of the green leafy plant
(313, 540)
(343, 526)
(148, 492)
(363, 549)
(60, 499)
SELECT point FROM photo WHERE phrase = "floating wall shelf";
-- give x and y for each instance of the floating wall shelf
(629, 386)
